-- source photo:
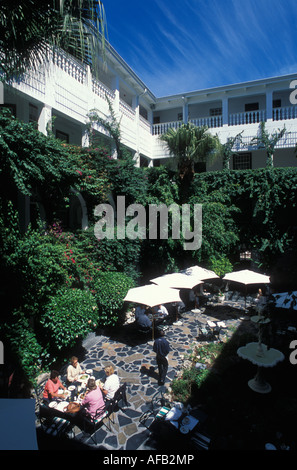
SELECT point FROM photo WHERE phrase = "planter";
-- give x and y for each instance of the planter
(220, 298)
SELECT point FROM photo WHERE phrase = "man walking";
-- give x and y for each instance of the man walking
(161, 348)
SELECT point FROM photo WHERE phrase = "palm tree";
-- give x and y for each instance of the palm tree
(31, 29)
(189, 144)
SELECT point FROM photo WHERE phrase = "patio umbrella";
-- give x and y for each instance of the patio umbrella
(286, 300)
(178, 281)
(247, 277)
(152, 295)
(201, 273)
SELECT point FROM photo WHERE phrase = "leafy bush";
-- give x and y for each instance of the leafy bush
(109, 290)
(37, 264)
(220, 264)
(69, 315)
(23, 344)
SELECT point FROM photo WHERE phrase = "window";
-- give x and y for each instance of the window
(33, 114)
(179, 116)
(143, 112)
(251, 107)
(215, 112)
(277, 103)
(62, 136)
(242, 161)
(245, 255)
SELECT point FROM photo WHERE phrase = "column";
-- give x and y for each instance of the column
(1, 93)
(185, 110)
(225, 111)
(116, 103)
(269, 102)
(45, 119)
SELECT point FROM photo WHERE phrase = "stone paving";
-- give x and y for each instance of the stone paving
(134, 362)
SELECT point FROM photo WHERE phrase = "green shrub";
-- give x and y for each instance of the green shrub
(69, 315)
(23, 344)
(37, 264)
(109, 291)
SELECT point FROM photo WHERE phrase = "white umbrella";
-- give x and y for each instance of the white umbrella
(152, 295)
(286, 300)
(201, 273)
(247, 277)
(178, 281)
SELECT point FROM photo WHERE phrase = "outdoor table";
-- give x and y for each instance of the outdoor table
(182, 420)
(173, 434)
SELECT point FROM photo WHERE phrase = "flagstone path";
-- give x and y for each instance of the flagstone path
(135, 363)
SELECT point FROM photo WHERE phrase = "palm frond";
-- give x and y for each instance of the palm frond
(30, 30)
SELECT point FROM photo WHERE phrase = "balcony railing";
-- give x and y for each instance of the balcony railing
(250, 117)
(162, 127)
(212, 121)
(288, 112)
(289, 140)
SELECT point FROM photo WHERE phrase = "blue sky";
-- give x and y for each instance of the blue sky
(178, 46)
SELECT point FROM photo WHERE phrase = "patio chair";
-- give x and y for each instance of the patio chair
(153, 408)
(54, 425)
(120, 396)
(90, 424)
(36, 394)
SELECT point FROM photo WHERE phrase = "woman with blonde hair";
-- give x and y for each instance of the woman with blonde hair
(111, 383)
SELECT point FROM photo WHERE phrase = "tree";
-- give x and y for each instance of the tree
(31, 30)
(190, 144)
(268, 142)
(227, 149)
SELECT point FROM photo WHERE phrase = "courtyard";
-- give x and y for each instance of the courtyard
(236, 417)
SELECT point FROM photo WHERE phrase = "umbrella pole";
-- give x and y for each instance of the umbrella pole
(153, 328)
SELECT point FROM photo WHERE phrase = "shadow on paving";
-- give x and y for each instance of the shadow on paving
(239, 418)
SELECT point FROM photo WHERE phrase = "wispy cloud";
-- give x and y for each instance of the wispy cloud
(183, 46)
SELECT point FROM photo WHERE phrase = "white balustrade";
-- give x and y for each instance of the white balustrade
(69, 65)
(288, 112)
(162, 127)
(210, 121)
(248, 117)
(127, 110)
(101, 90)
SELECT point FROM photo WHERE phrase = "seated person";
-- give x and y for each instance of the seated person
(160, 310)
(74, 370)
(194, 298)
(52, 386)
(111, 384)
(143, 322)
(140, 310)
(93, 402)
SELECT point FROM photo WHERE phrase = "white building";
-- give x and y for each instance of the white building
(66, 91)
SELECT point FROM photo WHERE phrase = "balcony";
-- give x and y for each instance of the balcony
(289, 140)
(288, 112)
(248, 117)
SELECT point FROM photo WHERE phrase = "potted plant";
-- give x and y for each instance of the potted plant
(220, 297)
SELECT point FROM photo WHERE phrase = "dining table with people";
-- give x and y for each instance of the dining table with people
(84, 398)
